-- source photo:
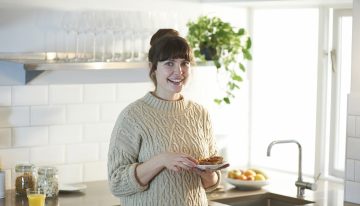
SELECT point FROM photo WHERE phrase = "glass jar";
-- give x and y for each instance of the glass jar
(25, 177)
(48, 181)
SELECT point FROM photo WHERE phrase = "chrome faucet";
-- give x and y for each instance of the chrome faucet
(300, 184)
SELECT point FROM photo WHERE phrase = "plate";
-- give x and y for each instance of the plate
(211, 167)
(72, 187)
(247, 185)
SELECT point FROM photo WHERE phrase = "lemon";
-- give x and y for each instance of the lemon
(259, 177)
(249, 172)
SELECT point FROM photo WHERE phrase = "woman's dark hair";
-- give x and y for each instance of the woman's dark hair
(162, 32)
(167, 44)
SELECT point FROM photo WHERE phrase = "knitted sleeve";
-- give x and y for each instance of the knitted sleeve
(212, 146)
(123, 156)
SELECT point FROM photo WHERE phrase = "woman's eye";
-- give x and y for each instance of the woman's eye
(169, 64)
(186, 64)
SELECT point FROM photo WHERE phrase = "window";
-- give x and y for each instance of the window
(283, 86)
(340, 88)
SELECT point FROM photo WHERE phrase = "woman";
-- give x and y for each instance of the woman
(157, 139)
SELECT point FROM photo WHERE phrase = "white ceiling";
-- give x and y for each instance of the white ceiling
(281, 2)
(165, 4)
(94, 4)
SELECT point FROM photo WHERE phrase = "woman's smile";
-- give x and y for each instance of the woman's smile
(176, 81)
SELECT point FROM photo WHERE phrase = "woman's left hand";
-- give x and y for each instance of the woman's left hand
(208, 177)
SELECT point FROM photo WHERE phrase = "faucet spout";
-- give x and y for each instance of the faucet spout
(300, 153)
(300, 184)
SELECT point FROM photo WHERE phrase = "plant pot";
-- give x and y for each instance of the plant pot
(208, 52)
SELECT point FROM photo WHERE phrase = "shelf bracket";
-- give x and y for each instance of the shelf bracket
(31, 74)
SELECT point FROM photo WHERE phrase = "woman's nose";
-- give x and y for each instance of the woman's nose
(178, 68)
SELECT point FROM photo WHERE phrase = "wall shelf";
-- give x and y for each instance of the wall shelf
(36, 64)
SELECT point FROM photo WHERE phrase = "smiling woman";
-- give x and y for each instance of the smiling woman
(157, 139)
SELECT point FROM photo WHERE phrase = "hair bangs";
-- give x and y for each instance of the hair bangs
(175, 50)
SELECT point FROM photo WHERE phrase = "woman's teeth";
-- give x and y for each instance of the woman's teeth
(178, 81)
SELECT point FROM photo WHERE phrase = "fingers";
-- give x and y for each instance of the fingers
(188, 161)
(195, 161)
(178, 162)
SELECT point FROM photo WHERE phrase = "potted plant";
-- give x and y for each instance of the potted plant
(215, 40)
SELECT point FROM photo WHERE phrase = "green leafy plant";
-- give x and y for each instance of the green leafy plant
(215, 40)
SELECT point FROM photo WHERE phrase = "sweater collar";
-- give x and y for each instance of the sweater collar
(165, 105)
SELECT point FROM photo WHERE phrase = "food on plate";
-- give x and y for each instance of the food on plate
(247, 175)
(213, 160)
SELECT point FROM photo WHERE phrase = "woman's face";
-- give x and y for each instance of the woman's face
(171, 76)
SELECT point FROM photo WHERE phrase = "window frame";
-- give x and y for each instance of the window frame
(335, 64)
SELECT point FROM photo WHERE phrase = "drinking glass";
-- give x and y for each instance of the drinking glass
(35, 197)
(69, 24)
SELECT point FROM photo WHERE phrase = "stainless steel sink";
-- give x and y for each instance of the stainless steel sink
(267, 199)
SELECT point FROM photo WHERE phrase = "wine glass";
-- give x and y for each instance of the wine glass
(85, 33)
(47, 21)
(69, 24)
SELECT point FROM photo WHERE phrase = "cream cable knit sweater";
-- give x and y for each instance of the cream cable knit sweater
(148, 127)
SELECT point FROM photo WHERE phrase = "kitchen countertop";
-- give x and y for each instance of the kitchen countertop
(98, 194)
(328, 193)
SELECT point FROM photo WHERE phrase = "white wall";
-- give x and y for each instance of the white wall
(352, 182)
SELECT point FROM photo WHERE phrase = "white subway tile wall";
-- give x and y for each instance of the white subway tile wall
(5, 137)
(67, 126)
(30, 136)
(70, 173)
(357, 171)
(350, 169)
(110, 111)
(14, 116)
(54, 155)
(104, 148)
(352, 182)
(65, 134)
(12, 156)
(83, 113)
(65, 94)
(94, 171)
(351, 125)
(29, 95)
(85, 152)
(47, 115)
(5, 97)
(131, 92)
(97, 132)
(357, 126)
(99, 93)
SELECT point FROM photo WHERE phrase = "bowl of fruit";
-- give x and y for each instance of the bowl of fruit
(249, 179)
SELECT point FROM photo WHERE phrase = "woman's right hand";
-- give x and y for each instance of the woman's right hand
(177, 161)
